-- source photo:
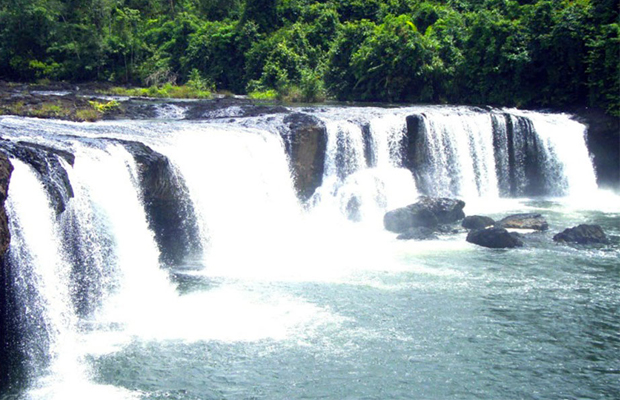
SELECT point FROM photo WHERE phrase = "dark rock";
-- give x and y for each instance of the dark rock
(603, 137)
(5, 238)
(5, 175)
(416, 158)
(524, 221)
(427, 212)
(46, 162)
(305, 144)
(583, 234)
(170, 215)
(477, 222)
(419, 233)
(449, 229)
(495, 238)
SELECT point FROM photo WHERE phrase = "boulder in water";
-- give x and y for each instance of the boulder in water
(524, 221)
(475, 222)
(583, 234)
(427, 212)
(419, 233)
(494, 238)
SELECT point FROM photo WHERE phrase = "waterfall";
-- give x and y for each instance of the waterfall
(566, 165)
(41, 283)
(364, 174)
(458, 152)
(474, 154)
(242, 191)
(114, 232)
(86, 263)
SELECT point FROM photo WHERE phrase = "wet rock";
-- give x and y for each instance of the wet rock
(583, 234)
(524, 221)
(477, 222)
(427, 212)
(419, 233)
(5, 175)
(170, 215)
(5, 238)
(449, 229)
(603, 140)
(494, 238)
(305, 144)
(46, 161)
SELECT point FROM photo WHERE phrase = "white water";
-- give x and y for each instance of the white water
(358, 188)
(62, 373)
(107, 180)
(460, 153)
(569, 167)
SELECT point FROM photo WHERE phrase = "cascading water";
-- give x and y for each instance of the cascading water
(459, 157)
(364, 175)
(286, 299)
(42, 285)
(123, 247)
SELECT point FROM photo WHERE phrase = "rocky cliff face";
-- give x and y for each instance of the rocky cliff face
(5, 237)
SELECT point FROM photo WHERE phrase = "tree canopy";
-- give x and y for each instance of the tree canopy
(529, 53)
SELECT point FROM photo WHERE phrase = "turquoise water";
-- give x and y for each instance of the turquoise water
(449, 320)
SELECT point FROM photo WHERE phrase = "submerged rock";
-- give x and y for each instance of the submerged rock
(524, 221)
(477, 222)
(495, 238)
(427, 212)
(419, 233)
(583, 234)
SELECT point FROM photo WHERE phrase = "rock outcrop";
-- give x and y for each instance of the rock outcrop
(524, 221)
(46, 162)
(5, 237)
(5, 175)
(494, 238)
(583, 234)
(474, 222)
(428, 212)
(305, 144)
(603, 139)
(170, 215)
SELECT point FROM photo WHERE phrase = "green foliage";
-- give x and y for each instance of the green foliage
(269, 94)
(503, 52)
(103, 107)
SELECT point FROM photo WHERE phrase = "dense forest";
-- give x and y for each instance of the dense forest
(528, 53)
